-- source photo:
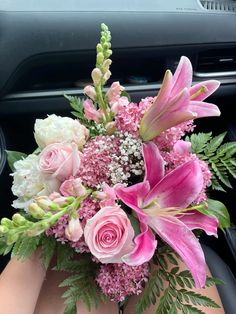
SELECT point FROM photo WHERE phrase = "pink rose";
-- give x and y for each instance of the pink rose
(59, 160)
(73, 187)
(109, 234)
(74, 230)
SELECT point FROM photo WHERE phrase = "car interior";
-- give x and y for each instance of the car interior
(47, 50)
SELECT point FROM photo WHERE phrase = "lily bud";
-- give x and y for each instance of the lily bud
(74, 230)
(96, 76)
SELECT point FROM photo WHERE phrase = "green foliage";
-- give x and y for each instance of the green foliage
(48, 248)
(177, 295)
(219, 157)
(24, 247)
(13, 156)
(4, 247)
(135, 224)
(81, 285)
(64, 255)
(217, 209)
(126, 94)
(77, 104)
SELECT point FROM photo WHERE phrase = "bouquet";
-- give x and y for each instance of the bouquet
(121, 190)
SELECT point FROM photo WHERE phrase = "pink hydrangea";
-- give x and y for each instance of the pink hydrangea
(97, 155)
(130, 114)
(167, 139)
(118, 281)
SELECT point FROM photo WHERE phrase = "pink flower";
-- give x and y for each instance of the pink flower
(59, 161)
(178, 102)
(90, 92)
(109, 234)
(73, 187)
(113, 94)
(74, 231)
(161, 203)
(90, 112)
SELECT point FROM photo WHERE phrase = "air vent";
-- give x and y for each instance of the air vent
(216, 63)
(225, 6)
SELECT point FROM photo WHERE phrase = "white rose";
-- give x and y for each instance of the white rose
(27, 181)
(56, 129)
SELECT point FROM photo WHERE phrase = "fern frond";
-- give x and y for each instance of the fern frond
(48, 247)
(178, 295)
(25, 246)
(218, 156)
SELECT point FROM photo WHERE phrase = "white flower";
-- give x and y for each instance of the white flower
(56, 129)
(27, 181)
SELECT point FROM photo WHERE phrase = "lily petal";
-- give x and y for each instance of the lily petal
(204, 109)
(154, 164)
(163, 94)
(133, 195)
(184, 242)
(182, 76)
(179, 188)
(145, 245)
(174, 112)
(196, 220)
(210, 85)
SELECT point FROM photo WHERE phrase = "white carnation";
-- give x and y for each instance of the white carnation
(56, 129)
(27, 180)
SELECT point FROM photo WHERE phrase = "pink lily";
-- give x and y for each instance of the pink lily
(178, 102)
(161, 204)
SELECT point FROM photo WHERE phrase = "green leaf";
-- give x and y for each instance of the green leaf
(25, 246)
(217, 209)
(150, 293)
(48, 249)
(210, 281)
(199, 141)
(214, 143)
(125, 94)
(221, 175)
(198, 299)
(64, 255)
(13, 156)
(70, 309)
(4, 247)
(135, 224)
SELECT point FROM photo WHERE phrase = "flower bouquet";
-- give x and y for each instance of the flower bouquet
(120, 191)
